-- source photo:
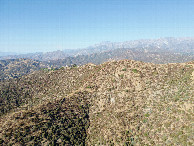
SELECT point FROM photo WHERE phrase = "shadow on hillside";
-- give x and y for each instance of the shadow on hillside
(63, 122)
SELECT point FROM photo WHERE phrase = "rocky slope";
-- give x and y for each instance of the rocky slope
(115, 103)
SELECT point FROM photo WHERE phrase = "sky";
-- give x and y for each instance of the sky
(49, 25)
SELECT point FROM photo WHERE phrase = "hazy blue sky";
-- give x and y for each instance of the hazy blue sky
(47, 25)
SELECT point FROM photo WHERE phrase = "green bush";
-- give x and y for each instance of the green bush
(135, 70)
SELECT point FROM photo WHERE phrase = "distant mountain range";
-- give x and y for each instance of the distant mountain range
(7, 53)
(173, 45)
(176, 45)
(160, 51)
(38, 56)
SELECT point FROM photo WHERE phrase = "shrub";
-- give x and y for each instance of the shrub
(135, 70)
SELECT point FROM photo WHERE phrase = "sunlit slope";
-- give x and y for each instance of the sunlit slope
(120, 103)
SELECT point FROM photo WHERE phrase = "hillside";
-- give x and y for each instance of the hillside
(14, 68)
(123, 102)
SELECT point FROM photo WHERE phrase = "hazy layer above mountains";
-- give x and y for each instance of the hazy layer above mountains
(173, 45)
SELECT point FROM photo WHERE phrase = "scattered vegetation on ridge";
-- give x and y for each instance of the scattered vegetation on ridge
(115, 103)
